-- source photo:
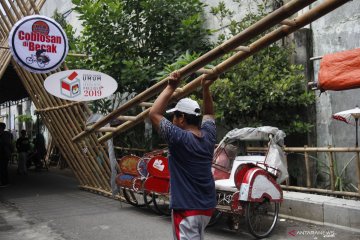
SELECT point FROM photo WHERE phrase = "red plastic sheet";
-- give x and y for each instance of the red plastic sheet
(340, 71)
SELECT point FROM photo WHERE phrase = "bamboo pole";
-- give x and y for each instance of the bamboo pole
(5, 56)
(81, 110)
(329, 150)
(50, 126)
(316, 190)
(307, 167)
(261, 43)
(131, 149)
(15, 10)
(104, 168)
(74, 151)
(106, 129)
(25, 6)
(93, 139)
(99, 171)
(310, 149)
(22, 8)
(9, 15)
(90, 157)
(4, 23)
(358, 169)
(146, 104)
(287, 179)
(267, 22)
(126, 118)
(5, 59)
(41, 3)
(104, 193)
(3, 36)
(57, 107)
(53, 127)
(63, 151)
(331, 171)
(34, 7)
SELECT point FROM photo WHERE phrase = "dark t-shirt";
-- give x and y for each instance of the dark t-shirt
(23, 144)
(191, 182)
(5, 145)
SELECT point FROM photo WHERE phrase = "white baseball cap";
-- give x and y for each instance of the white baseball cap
(187, 105)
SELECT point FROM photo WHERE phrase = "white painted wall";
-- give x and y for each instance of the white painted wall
(239, 12)
(62, 6)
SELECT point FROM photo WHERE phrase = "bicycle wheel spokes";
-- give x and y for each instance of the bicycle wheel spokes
(162, 204)
(149, 202)
(134, 198)
(261, 217)
(214, 218)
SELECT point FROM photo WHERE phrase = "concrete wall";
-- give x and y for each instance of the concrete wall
(337, 31)
(239, 10)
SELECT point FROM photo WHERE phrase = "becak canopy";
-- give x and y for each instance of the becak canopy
(340, 71)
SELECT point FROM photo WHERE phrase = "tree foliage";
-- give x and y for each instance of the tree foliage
(132, 40)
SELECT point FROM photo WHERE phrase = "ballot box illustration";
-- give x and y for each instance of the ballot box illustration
(70, 86)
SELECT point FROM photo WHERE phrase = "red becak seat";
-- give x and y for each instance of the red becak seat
(128, 167)
(159, 177)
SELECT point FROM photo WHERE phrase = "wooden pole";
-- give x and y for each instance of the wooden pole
(331, 171)
(316, 190)
(307, 167)
(358, 169)
(287, 181)
(46, 119)
(131, 149)
(267, 22)
(58, 107)
(53, 125)
(34, 7)
(14, 9)
(23, 9)
(10, 17)
(308, 149)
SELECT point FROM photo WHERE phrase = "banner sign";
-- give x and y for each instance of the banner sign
(38, 43)
(80, 85)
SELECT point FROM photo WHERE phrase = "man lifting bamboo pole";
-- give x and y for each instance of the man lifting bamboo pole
(259, 27)
(303, 20)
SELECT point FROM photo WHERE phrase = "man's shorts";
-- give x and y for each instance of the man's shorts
(190, 224)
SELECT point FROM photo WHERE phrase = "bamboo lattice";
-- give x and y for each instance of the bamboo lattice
(64, 119)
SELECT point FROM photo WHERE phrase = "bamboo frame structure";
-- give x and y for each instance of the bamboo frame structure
(64, 119)
(328, 150)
